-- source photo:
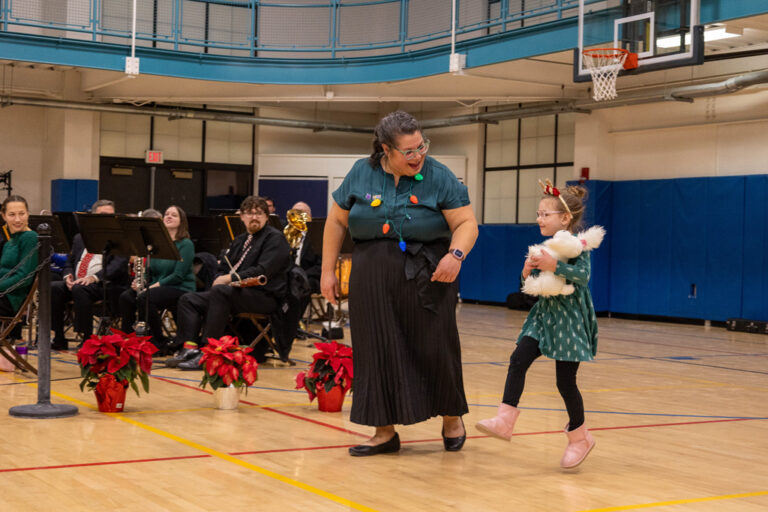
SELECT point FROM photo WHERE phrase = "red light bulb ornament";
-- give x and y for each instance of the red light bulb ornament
(413, 199)
(385, 228)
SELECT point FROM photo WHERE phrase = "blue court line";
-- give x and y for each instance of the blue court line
(638, 413)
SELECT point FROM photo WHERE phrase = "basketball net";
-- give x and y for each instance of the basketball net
(604, 65)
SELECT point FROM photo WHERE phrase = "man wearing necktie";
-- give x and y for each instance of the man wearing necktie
(261, 251)
(83, 284)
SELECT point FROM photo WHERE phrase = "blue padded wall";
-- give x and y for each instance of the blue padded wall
(492, 270)
(69, 195)
(673, 245)
(287, 192)
(754, 256)
(687, 248)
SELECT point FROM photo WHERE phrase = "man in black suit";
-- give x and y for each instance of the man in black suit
(261, 251)
(84, 277)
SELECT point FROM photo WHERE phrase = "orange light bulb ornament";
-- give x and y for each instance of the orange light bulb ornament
(385, 228)
(414, 199)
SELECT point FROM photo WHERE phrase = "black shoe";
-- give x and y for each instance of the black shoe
(192, 364)
(184, 355)
(59, 344)
(363, 450)
(454, 444)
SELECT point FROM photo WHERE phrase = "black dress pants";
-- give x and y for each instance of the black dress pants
(160, 298)
(213, 308)
(83, 298)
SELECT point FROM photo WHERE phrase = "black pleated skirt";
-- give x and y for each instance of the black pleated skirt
(407, 359)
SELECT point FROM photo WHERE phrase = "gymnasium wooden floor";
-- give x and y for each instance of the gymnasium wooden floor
(680, 415)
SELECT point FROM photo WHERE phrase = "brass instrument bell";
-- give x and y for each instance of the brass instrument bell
(296, 227)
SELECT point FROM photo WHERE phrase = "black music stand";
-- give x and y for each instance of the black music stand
(206, 234)
(59, 240)
(234, 226)
(150, 238)
(315, 234)
(103, 234)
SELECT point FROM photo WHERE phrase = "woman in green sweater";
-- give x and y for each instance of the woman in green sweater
(167, 281)
(19, 257)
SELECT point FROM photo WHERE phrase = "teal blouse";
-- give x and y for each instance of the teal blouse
(14, 251)
(420, 222)
(565, 325)
(178, 274)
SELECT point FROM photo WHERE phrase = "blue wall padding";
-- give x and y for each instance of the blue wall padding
(73, 195)
(286, 193)
(754, 257)
(687, 247)
(599, 209)
(492, 270)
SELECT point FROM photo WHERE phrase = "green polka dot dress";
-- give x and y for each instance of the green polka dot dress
(566, 325)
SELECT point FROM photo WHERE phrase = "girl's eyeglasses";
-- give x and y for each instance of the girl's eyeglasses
(411, 153)
(544, 214)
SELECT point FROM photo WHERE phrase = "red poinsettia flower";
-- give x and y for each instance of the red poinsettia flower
(331, 366)
(226, 363)
(124, 357)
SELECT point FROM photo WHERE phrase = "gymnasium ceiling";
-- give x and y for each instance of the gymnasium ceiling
(536, 79)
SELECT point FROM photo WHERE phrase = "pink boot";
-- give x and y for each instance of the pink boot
(502, 424)
(580, 443)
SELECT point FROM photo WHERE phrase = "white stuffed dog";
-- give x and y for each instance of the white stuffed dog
(563, 246)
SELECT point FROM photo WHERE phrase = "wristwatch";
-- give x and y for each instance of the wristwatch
(458, 254)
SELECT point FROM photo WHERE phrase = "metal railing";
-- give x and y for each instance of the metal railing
(280, 28)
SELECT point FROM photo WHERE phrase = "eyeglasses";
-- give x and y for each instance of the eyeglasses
(252, 213)
(544, 214)
(410, 154)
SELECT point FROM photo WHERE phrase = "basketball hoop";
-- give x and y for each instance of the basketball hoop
(604, 65)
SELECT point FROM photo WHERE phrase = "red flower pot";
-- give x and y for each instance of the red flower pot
(332, 400)
(110, 394)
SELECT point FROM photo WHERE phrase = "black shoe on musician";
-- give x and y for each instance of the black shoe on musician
(192, 364)
(187, 352)
(364, 450)
(59, 343)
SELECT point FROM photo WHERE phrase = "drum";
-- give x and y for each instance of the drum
(343, 271)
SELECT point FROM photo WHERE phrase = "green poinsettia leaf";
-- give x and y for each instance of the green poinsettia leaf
(144, 381)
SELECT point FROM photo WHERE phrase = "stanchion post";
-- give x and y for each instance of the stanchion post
(44, 408)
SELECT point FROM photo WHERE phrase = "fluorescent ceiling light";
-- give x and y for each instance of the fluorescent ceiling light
(713, 34)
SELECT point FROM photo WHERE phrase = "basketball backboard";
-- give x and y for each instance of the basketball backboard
(663, 33)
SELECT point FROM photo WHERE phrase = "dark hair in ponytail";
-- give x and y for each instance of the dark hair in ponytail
(388, 130)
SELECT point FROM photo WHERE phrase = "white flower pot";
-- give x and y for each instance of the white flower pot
(227, 398)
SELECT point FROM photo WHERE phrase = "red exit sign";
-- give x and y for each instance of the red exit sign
(153, 157)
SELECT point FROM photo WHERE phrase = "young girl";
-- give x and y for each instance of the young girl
(562, 327)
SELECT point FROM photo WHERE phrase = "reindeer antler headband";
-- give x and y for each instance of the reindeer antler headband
(550, 190)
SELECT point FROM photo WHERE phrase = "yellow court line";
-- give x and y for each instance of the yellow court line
(225, 456)
(678, 502)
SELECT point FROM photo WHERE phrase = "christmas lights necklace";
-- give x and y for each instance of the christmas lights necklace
(388, 224)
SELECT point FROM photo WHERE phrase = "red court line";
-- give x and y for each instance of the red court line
(330, 447)
(291, 415)
(87, 464)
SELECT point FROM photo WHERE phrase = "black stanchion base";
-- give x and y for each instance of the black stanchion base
(43, 411)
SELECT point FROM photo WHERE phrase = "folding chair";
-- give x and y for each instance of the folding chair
(264, 326)
(7, 324)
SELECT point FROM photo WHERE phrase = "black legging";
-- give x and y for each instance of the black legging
(526, 352)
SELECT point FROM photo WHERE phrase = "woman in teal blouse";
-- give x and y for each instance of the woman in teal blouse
(167, 281)
(19, 257)
(412, 225)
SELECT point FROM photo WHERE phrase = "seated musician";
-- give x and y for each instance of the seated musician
(83, 283)
(166, 281)
(261, 252)
(19, 251)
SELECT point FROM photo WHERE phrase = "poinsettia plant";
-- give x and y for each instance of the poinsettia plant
(126, 357)
(226, 362)
(331, 366)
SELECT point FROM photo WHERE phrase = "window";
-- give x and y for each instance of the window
(518, 153)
